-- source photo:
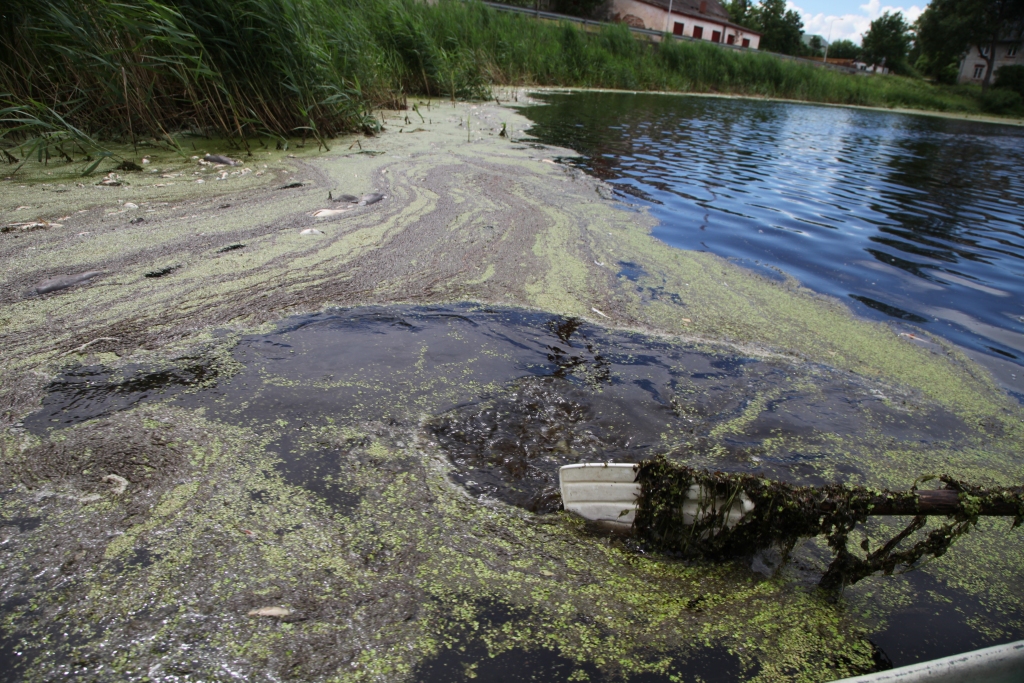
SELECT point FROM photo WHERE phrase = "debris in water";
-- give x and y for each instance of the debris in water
(130, 205)
(274, 612)
(163, 271)
(218, 159)
(230, 247)
(83, 347)
(30, 226)
(311, 231)
(329, 213)
(129, 166)
(598, 312)
(112, 180)
(118, 484)
(63, 282)
(291, 185)
(781, 514)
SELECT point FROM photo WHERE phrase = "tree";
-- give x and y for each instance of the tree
(739, 11)
(844, 49)
(948, 28)
(576, 8)
(780, 29)
(887, 41)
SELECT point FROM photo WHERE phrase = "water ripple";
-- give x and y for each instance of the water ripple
(828, 195)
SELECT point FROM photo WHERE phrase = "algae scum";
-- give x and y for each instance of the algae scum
(244, 453)
(349, 473)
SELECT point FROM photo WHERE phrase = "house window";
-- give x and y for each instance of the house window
(716, 36)
(698, 31)
(731, 39)
(677, 29)
(1012, 51)
(746, 42)
(979, 70)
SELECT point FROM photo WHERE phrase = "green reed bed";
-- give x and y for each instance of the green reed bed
(72, 71)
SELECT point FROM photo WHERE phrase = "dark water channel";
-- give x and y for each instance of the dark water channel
(512, 395)
(912, 218)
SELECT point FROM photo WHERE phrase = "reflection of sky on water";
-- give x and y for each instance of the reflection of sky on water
(905, 217)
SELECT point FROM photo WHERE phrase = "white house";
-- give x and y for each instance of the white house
(973, 65)
(701, 19)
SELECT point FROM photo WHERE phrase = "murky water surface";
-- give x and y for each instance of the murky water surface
(511, 396)
(904, 217)
(507, 396)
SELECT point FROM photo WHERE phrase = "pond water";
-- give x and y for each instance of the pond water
(507, 396)
(909, 218)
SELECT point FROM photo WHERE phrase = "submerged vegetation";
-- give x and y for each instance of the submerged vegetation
(136, 69)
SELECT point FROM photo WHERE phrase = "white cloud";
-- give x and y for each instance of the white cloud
(851, 26)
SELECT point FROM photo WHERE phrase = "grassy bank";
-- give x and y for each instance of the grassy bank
(131, 69)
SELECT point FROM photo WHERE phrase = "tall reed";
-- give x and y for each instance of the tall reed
(73, 71)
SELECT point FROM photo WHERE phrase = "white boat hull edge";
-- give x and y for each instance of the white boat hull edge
(998, 664)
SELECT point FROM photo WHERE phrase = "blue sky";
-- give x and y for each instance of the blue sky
(849, 18)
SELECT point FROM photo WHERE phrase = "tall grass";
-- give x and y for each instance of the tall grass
(130, 69)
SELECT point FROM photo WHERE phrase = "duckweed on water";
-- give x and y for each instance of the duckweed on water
(324, 474)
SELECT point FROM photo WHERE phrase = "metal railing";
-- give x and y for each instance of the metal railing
(651, 33)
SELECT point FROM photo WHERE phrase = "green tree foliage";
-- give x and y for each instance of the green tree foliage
(576, 8)
(781, 29)
(1011, 77)
(940, 42)
(739, 11)
(844, 49)
(887, 42)
(948, 28)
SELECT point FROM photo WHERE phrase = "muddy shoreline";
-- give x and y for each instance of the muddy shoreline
(293, 507)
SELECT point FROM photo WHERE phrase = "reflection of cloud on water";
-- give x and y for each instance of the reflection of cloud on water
(1006, 337)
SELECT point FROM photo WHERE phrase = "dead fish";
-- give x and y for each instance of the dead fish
(371, 198)
(292, 185)
(218, 159)
(276, 612)
(329, 213)
(311, 231)
(351, 199)
(65, 281)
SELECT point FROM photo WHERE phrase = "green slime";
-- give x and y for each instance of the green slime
(158, 583)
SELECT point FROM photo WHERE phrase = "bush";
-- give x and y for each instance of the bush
(1011, 78)
(1001, 101)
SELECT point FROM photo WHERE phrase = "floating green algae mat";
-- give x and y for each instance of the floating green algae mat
(328, 478)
